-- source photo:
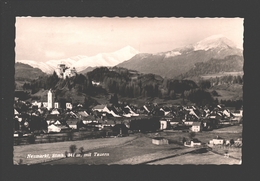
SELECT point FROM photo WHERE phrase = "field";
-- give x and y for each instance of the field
(138, 149)
(21, 152)
(193, 158)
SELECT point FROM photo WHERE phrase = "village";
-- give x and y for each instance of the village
(47, 118)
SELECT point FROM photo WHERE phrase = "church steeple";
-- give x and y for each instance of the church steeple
(50, 99)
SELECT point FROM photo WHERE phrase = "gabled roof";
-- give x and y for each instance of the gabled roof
(83, 113)
(90, 118)
(72, 121)
(196, 124)
(16, 112)
(52, 117)
(102, 106)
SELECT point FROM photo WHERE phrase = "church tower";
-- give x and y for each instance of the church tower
(50, 99)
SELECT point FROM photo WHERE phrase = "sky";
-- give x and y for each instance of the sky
(51, 38)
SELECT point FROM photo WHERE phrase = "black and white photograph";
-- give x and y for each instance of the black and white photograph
(128, 91)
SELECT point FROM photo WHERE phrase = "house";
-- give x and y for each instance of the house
(89, 119)
(163, 124)
(227, 113)
(108, 123)
(68, 106)
(38, 104)
(72, 123)
(114, 111)
(216, 141)
(238, 113)
(188, 123)
(131, 111)
(53, 128)
(82, 114)
(51, 118)
(55, 111)
(160, 141)
(16, 112)
(95, 83)
(193, 143)
(175, 121)
(196, 127)
(166, 110)
(56, 123)
(101, 108)
(148, 108)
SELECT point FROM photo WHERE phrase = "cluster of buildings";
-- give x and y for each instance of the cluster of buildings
(191, 118)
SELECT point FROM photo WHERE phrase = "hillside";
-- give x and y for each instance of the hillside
(85, 71)
(26, 72)
(180, 60)
(232, 63)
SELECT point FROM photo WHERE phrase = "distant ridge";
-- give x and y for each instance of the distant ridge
(180, 60)
(82, 62)
(27, 72)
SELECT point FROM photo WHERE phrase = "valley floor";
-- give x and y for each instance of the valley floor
(137, 149)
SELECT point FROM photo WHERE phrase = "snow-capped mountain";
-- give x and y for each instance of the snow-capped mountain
(215, 41)
(81, 62)
(180, 60)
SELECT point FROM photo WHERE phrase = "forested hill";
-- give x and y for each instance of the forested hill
(27, 72)
(232, 63)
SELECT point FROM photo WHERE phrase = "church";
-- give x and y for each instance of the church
(50, 104)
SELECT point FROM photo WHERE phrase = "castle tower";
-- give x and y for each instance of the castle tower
(50, 99)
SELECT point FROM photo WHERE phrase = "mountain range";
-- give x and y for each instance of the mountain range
(170, 64)
(81, 62)
(180, 60)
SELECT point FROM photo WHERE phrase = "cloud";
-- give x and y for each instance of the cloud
(54, 54)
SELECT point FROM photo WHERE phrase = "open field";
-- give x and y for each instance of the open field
(21, 152)
(197, 159)
(137, 149)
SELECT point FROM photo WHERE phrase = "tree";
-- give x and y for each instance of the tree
(81, 149)
(231, 142)
(73, 148)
